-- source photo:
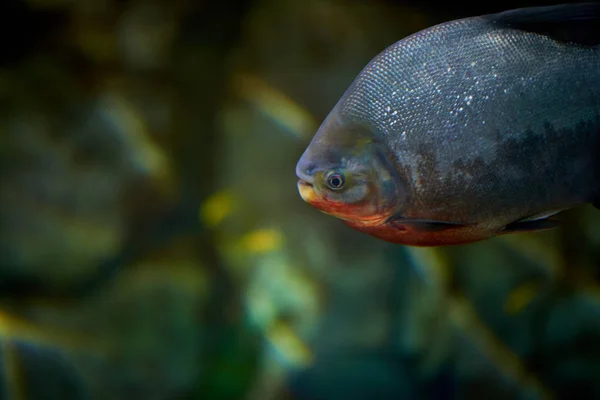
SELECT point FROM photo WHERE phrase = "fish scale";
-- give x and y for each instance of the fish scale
(487, 120)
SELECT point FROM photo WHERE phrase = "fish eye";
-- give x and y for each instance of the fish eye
(335, 181)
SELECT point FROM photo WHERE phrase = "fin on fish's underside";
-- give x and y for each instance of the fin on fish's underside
(424, 225)
(530, 226)
(571, 23)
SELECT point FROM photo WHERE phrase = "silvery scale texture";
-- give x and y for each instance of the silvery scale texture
(482, 120)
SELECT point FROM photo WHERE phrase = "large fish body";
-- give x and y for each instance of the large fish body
(483, 126)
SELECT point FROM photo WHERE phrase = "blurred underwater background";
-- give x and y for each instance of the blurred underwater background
(153, 244)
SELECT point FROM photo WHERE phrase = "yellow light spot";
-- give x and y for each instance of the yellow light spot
(519, 298)
(433, 265)
(12, 371)
(262, 241)
(506, 362)
(216, 208)
(148, 155)
(275, 105)
(287, 344)
(536, 250)
(14, 328)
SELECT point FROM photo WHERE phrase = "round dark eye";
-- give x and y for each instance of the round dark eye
(335, 181)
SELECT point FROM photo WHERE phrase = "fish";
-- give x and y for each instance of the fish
(467, 130)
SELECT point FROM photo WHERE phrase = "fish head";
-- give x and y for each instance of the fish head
(346, 172)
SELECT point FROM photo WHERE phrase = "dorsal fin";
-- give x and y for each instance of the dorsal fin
(572, 23)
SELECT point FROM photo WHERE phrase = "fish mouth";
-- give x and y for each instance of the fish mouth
(306, 190)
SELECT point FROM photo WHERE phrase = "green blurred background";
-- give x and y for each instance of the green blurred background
(153, 244)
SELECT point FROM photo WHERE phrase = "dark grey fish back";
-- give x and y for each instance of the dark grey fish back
(418, 82)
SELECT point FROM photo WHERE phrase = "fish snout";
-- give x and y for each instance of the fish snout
(305, 171)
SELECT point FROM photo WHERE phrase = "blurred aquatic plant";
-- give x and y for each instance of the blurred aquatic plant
(64, 190)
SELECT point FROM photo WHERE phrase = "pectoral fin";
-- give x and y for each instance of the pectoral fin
(530, 226)
(423, 225)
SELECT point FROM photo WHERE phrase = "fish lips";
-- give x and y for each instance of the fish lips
(305, 178)
(307, 191)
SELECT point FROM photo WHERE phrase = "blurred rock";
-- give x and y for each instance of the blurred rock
(37, 372)
(143, 335)
(65, 188)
